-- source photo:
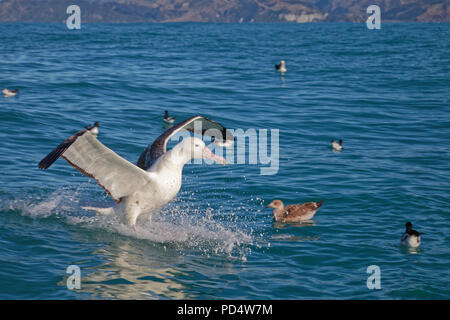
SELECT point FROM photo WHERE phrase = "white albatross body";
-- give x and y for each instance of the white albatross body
(164, 183)
(137, 189)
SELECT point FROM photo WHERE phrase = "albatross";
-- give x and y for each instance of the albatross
(155, 179)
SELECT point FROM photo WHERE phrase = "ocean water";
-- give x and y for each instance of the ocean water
(385, 92)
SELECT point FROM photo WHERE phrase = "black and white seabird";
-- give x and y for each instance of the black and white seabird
(9, 93)
(281, 67)
(94, 128)
(168, 119)
(336, 145)
(411, 237)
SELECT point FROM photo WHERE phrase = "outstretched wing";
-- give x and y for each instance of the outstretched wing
(195, 124)
(87, 154)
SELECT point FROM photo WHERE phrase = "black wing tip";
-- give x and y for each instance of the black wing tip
(62, 147)
(50, 159)
(42, 166)
(46, 163)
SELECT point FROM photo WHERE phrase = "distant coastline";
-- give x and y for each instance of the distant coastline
(223, 11)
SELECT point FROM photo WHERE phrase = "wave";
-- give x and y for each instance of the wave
(179, 225)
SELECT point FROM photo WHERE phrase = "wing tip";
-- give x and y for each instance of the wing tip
(61, 148)
(42, 166)
(49, 159)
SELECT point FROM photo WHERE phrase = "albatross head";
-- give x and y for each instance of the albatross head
(195, 148)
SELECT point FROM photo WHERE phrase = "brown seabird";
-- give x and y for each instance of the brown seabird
(294, 212)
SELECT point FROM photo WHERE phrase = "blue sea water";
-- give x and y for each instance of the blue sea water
(385, 92)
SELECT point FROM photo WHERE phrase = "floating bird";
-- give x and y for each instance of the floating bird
(9, 93)
(337, 146)
(167, 118)
(294, 212)
(411, 237)
(281, 67)
(94, 128)
(147, 186)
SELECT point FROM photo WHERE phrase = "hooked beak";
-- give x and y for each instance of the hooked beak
(208, 154)
(269, 206)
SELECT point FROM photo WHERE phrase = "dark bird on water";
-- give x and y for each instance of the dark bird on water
(9, 93)
(410, 237)
(336, 145)
(281, 67)
(167, 118)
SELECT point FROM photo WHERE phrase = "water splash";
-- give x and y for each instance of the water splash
(180, 225)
